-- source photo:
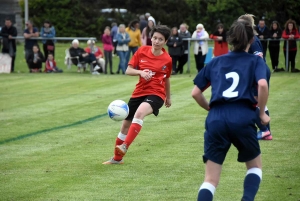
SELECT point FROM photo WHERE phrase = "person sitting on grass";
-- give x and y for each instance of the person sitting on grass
(35, 60)
(51, 65)
(83, 57)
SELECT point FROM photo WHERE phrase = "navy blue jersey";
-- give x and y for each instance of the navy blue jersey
(256, 48)
(232, 77)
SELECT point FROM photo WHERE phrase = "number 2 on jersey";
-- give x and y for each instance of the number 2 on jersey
(230, 93)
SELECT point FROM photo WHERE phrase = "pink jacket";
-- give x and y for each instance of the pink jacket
(107, 42)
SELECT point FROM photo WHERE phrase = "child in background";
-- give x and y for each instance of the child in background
(35, 60)
(51, 65)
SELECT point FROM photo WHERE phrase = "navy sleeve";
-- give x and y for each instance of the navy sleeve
(202, 79)
(260, 70)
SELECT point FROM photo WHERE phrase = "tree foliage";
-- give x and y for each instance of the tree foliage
(84, 17)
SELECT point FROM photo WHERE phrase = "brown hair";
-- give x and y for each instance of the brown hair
(239, 35)
(290, 21)
(248, 18)
(163, 30)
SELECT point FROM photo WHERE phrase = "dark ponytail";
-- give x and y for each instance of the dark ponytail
(239, 35)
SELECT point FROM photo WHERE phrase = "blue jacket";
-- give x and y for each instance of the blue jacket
(121, 40)
(48, 35)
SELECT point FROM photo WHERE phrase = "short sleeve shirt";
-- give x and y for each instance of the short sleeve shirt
(232, 77)
(29, 43)
(159, 66)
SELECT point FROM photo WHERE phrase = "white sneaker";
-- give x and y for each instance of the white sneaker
(96, 68)
(95, 73)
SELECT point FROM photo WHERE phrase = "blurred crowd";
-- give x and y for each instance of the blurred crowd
(123, 41)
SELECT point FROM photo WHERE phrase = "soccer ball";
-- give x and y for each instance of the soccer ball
(118, 110)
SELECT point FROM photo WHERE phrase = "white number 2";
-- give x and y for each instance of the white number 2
(230, 93)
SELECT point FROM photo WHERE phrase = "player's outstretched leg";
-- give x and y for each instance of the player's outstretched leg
(252, 179)
(118, 158)
(134, 130)
(143, 110)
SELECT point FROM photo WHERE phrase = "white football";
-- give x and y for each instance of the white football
(118, 110)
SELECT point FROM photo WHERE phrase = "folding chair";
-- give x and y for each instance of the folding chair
(69, 63)
(209, 55)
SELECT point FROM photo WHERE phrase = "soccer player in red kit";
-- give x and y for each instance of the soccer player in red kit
(153, 65)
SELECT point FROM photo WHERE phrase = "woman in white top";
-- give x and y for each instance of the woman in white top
(200, 47)
(123, 39)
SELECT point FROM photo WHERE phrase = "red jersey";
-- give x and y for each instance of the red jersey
(159, 66)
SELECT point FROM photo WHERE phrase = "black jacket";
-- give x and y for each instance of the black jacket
(5, 32)
(31, 57)
(182, 35)
(76, 52)
(265, 32)
(275, 43)
(178, 50)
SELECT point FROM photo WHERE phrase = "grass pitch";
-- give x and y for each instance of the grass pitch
(55, 134)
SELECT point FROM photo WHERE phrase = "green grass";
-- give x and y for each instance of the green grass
(54, 135)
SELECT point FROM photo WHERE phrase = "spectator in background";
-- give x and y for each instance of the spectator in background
(30, 33)
(83, 57)
(143, 22)
(221, 45)
(51, 66)
(263, 33)
(35, 59)
(183, 33)
(9, 44)
(113, 34)
(175, 48)
(123, 39)
(92, 48)
(274, 45)
(147, 15)
(48, 32)
(290, 32)
(146, 36)
(200, 47)
(135, 38)
(108, 48)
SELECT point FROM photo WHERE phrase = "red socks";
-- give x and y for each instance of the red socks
(134, 130)
(120, 139)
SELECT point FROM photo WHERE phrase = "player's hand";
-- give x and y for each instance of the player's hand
(147, 75)
(168, 102)
(265, 119)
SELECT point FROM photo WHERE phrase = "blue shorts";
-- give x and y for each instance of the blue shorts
(232, 123)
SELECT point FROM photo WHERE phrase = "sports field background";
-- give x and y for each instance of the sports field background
(54, 135)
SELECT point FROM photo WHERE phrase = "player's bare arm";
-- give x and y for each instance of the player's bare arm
(144, 74)
(262, 100)
(199, 98)
(168, 93)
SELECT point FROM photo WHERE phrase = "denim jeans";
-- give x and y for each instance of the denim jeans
(133, 50)
(123, 56)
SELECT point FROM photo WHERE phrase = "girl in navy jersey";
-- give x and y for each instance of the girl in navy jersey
(231, 118)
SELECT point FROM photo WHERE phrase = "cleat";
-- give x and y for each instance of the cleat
(112, 161)
(121, 149)
(269, 137)
(264, 134)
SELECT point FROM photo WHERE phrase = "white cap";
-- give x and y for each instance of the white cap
(199, 26)
(151, 19)
(147, 14)
(75, 41)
